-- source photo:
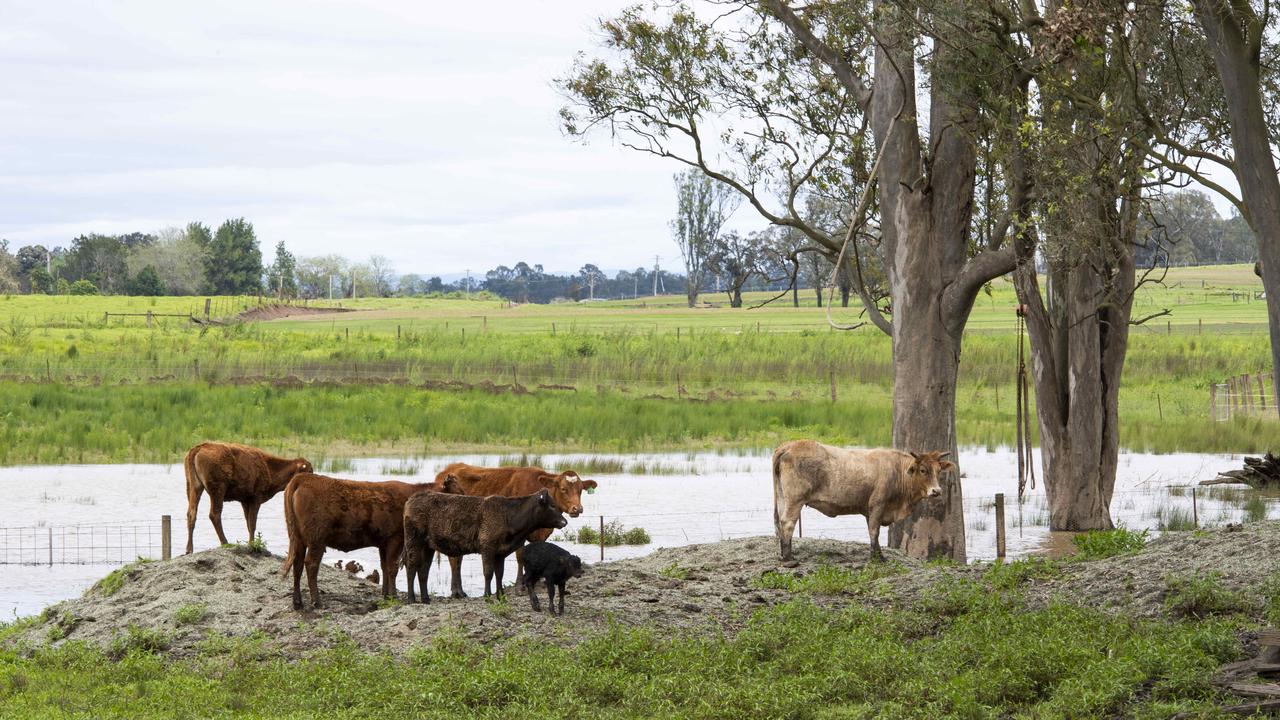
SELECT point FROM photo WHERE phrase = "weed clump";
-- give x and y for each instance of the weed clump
(1099, 544)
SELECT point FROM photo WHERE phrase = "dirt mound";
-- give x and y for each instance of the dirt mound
(697, 588)
(275, 311)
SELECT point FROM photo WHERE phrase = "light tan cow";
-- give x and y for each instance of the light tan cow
(880, 484)
(228, 471)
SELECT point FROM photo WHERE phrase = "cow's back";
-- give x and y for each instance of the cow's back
(241, 471)
(345, 514)
(508, 481)
(450, 524)
(836, 480)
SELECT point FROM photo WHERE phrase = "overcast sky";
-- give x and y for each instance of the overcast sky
(423, 131)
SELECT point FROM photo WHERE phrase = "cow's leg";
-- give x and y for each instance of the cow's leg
(488, 572)
(455, 579)
(530, 583)
(215, 514)
(412, 559)
(424, 570)
(562, 593)
(873, 529)
(520, 568)
(785, 517)
(315, 554)
(299, 557)
(497, 564)
(389, 556)
(194, 492)
(251, 516)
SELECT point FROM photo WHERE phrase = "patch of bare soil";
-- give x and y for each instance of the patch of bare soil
(693, 589)
(275, 311)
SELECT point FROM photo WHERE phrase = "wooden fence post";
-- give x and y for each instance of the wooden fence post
(207, 302)
(1000, 525)
(1195, 512)
(601, 538)
(833, 385)
(166, 537)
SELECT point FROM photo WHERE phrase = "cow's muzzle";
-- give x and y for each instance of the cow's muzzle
(561, 522)
(935, 492)
(575, 512)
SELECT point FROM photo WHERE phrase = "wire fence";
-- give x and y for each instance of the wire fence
(1244, 395)
(98, 544)
(1159, 508)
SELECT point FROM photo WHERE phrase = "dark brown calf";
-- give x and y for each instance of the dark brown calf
(457, 525)
(239, 473)
(322, 512)
(565, 489)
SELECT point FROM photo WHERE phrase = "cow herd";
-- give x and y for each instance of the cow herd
(493, 512)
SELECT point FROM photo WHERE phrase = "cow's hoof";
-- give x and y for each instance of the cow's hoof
(790, 563)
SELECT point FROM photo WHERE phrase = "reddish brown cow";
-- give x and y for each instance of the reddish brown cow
(234, 472)
(323, 512)
(565, 488)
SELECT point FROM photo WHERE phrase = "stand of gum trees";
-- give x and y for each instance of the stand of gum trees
(1012, 136)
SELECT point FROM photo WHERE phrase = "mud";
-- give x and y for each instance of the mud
(695, 589)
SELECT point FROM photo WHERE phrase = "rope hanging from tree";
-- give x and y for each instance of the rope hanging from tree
(1022, 403)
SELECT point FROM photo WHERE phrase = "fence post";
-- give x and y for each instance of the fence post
(148, 318)
(397, 333)
(601, 538)
(1159, 407)
(833, 385)
(207, 302)
(1000, 525)
(1195, 512)
(485, 318)
(166, 537)
(1213, 401)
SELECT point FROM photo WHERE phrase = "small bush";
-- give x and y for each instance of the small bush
(1098, 544)
(1255, 509)
(674, 572)
(1010, 575)
(137, 639)
(82, 287)
(614, 534)
(1174, 518)
(256, 546)
(1199, 596)
(188, 614)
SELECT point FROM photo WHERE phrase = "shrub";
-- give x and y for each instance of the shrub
(1098, 544)
(1199, 596)
(137, 639)
(82, 287)
(188, 614)
(614, 534)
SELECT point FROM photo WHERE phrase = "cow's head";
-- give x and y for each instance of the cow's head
(450, 485)
(566, 490)
(924, 472)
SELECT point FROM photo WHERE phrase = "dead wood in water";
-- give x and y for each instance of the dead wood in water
(1263, 472)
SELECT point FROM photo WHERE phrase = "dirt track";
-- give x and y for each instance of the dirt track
(275, 311)
(697, 588)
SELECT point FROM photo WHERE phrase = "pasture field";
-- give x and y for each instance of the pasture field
(615, 375)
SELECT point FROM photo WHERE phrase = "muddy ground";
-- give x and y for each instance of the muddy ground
(693, 589)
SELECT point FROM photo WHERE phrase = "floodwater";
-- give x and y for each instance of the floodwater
(89, 518)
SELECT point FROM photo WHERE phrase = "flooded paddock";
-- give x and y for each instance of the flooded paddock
(87, 519)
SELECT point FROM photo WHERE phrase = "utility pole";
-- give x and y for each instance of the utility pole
(656, 258)
(468, 282)
(330, 287)
(353, 283)
(635, 287)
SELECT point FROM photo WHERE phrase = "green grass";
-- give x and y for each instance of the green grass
(1098, 544)
(830, 579)
(77, 388)
(1202, 595)
(614, 534)
(995, 657)
(189, 614)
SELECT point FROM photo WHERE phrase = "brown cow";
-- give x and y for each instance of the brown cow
(879, 484)
(510, 481)
(493, 526)
(322, 512)
(234, 472)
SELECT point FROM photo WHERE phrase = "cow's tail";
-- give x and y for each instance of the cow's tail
(189, 465)
(291, 525)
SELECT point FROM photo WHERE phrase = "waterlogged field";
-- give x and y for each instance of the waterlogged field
(678, 499)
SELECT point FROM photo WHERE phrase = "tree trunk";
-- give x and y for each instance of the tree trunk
(1236, 57)
(692, 291)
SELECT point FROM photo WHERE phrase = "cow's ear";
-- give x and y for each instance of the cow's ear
(947, 466)
(543, 497)
(547, 479)
(589, 485)
(943, 455)
(914, 454)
